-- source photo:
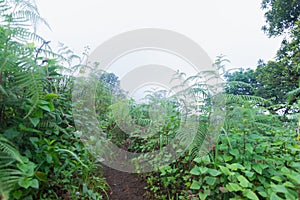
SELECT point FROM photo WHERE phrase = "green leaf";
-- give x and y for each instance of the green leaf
(49, 158)
(276, 178)
(210, 180)
(17, 194)
(285, 170)
(275, 197)
(225, 170)
(35, 184)
(295, 165)
(206, 159)
(227, 158)
(11, 133)
(51, 96)
(24, 128)
(203, 170)
(51, 106)
(203, 195)
(243, 181)
(289, 184)
(46, 108)
(249, 174)
(27, 168)
(84, 189)
(214, 172)
(41, 176)
(198, 160)
(34, 121)
(257, 168)
(235, 152)
(250, 195)
(249, 148)
(236, 166)
(42, 102)
(263, 194)
(233, 187)
(195, 171)
(195, 185)
(295, 177)
(279, 188)
(25, 182)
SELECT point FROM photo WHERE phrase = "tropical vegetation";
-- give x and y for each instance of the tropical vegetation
(255, 155)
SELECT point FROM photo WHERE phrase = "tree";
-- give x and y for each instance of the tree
(280, 77)
(281, 16)
(275, 80)
(242, 82)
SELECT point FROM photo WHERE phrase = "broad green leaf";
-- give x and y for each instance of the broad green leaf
(233, 187)
(285, 170)
(250, 194)
(195, 185)
(25, 182)
(214, 172)
(257, 168)
(263, 194)
(243, 181)
(249, 148)
(289, 184)
(275, 197)
(198, 160)
(43, 102)
(84, 188)
(225, 170)
(11, 133)
(295, 165)
(276, 178)
(41, 176)
(27, 168)
(203, 195)
(227, 158)
(279, 188)
(49, 158)
(203, 170)
(51, 106)
(46, 108)
(35, 184)
(17, 194)
(34, 121)
(249, 174)
(235, 152)
(210, 180)
(236, 166)
(206, 159)
(295, 177)
(195, 171)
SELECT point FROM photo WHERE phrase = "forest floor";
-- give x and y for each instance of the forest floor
(124, 186)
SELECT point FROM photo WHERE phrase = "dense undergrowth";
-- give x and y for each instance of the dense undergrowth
(256, 154)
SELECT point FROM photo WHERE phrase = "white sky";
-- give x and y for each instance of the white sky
(229, 27)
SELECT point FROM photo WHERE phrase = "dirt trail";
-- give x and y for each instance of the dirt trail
(124, 186)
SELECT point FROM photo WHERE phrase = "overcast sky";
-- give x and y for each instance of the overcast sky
(229, 27)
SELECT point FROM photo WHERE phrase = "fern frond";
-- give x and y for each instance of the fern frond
(9, 175)
(199, 138)
(7, 147)
(31, 81)
(245, 98)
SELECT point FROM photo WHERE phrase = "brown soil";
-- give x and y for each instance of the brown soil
(124, 186)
